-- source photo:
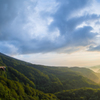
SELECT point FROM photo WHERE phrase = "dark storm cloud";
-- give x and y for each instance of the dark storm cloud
(17, 21)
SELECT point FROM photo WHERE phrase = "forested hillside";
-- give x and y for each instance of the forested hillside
(95, 68)
(38, 82)
(79, 94)
(87, 73)
(14, 90)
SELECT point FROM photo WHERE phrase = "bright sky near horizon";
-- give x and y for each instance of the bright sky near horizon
(54, 32)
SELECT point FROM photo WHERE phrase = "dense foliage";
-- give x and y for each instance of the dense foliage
(87, 73)
(25, 81)
(79, 94)
(13, 90)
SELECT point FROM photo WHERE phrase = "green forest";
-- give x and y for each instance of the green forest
(25, 81)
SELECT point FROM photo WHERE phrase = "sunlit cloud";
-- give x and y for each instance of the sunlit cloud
(54, 26)
(48, 26)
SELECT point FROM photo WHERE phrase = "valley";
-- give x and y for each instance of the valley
(26, 81)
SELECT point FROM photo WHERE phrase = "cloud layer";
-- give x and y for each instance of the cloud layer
(48, 26)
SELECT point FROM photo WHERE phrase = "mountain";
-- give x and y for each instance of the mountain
(14, 90)
(16, 86)
(87, 73)
(43, 80)
(79, 94)
(95, 68)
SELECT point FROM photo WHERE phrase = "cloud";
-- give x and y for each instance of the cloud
(94, 48)
(28, 27)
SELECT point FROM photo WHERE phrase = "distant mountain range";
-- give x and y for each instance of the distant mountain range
(26, 81)
(95, 68)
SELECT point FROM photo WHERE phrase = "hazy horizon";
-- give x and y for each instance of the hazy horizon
(66, 60)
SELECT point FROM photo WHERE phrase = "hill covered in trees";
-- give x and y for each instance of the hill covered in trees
(26, 81)
(79, 94)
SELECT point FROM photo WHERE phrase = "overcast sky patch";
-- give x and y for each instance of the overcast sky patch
(41, 26)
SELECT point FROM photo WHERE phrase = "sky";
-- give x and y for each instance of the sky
(53, 33)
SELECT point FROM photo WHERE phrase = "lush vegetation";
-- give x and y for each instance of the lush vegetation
(87, 73)
(79, 94)
(25, 81)
(13, 90)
